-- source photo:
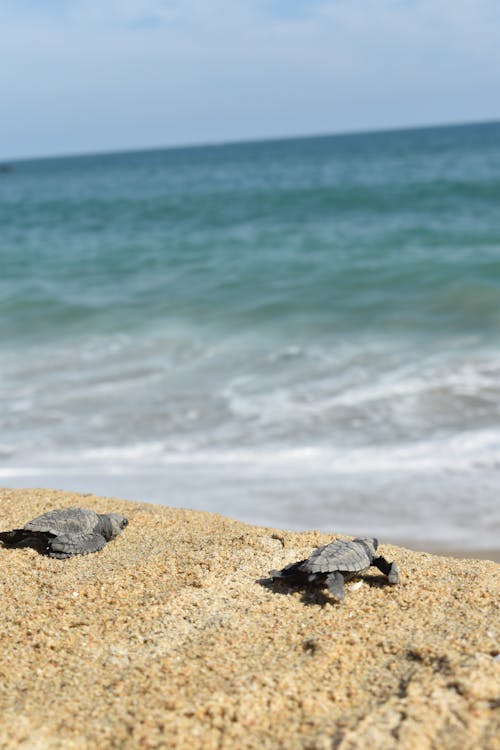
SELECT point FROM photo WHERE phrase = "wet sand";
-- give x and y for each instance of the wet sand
(468, 554)
(173, 637)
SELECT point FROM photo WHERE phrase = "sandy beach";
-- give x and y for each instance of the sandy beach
(468, 554)
(173, 637)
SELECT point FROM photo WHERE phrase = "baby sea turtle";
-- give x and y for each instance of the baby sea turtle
(66, 532)
(335, 563)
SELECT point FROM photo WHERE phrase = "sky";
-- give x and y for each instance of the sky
(80, 76)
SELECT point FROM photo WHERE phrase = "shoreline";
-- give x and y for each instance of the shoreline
(237, 511)
(173, 636)
(492, 555)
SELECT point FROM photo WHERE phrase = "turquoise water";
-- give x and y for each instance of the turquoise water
(299, 332)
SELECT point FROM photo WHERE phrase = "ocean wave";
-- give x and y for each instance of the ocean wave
(305, 313)
(465, 452)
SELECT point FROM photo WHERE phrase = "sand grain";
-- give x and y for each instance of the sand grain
(166, 639)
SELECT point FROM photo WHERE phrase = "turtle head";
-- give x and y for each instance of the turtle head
(114, 523)
(370, 543)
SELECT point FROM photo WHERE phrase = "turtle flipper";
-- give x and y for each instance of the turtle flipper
(335, 583)
(388, 569)
(13, 538)
(67, 545)
(393, 574)
(292, 573)
(37, 540)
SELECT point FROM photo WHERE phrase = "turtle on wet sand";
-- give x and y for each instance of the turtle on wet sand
(66, 532)
(335, 563)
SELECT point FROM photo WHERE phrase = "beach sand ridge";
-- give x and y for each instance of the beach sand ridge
(173, 637)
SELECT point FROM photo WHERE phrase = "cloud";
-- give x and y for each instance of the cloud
(145, 72)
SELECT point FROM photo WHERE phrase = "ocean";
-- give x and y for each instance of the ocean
(302, 333)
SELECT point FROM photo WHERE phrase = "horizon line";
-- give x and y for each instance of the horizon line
(244, 141)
